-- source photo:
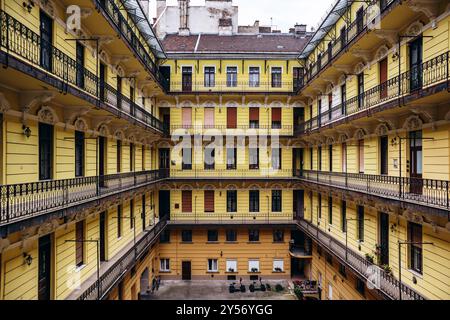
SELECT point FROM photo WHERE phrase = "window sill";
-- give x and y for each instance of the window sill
(416, 274)
(212, 242)
(217, 271)
(79, 268)
(165, 271)
(230, 242)
(254, 272)
(186, 242)
(278, 271)
(254, 242)
(231, 272)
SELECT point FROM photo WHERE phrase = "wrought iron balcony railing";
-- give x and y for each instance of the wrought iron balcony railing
(431, 72)
(387, 284)
(22, 42)
(256, 173)
(185, 87)
(275, 128)
(26, 200)
(355, 28)
(232, 217)
(110, 8)
(426, 192)
(111, 277)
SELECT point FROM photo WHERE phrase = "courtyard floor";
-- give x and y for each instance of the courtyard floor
(216, 290)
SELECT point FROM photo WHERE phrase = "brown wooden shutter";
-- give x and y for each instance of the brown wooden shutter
(276, 114)
(361, 155)
(209, 200)
(79, 235)
(186, 201)
(232, 118)
(254, 114)
(383, 78)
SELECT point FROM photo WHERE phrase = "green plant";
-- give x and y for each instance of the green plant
(387, 269)
(370, 258)
(279, 287)
(298, 292)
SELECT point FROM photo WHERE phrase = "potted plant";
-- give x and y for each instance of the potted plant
(278, 269)
(230, 270)
(254, 270)
(370, 258)
(387, 269)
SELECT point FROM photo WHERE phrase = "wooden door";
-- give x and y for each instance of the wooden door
(45, 151)
(383, 236)
(415, 159)
(383, 78)
(44, 268)
(415, 64)
(102, 237)
(186, 270)
(46, 36)
(186, 79)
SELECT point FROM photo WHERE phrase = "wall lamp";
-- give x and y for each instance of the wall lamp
(26, 131)
(27, 258)
(29, 5)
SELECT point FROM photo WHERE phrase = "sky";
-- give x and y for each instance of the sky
(284, 13)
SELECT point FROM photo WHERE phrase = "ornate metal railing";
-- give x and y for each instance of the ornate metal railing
(109, 279)
(25, 200)
(17, 39)
(185, 87)
(261, 173)
(223, 129)
(431, 72)
(110, 8)
(232, 217)
(387, 284)
(355, 28)
(427, 192)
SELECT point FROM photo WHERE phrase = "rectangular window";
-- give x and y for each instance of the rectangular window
(319, 200)
(276, 77)
(209, 158)
(213, 265)
(254, 77)
(119, 155)
(344, 157)
(79, 154)
(254, 117)
(80, 64)
(360, 286)
(344, 216)
(297, 78)
(343, 99)
(209, 200)
(253, 235)
(231, 158)
(164, 265)
(231, 266)
(186, 156)
(143, 157)
(186, 201)
(164, 236)
(231, 201)
(231, 76)
(119, 221)
(131, 213)
(232, 118)
(186, 79)
(254, 201)
(254, 158)
(209, 118)
(276, 200)
(278, 265)
(415, 248)
(384, 155)
(278, 236)
(186, 235)
(360, 223)
(132, 157)
(79, 244)
(330, 210)
(276, 118)
(330, 158)
(276, 158)
(45, 151)
(210, 76)
(231, 235)
(360, 90)
(253, 265)
(361, 155)
(186, 117)
(319, 158)
(311, 158)
(213, 235)
(330, 104)
(342, 270)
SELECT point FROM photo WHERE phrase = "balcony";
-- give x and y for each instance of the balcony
(300, 252)
(237, 87)
(18, 41)
(232, 218)
(273, 130)
(120, 23)
(426, 192)
(19, 202)
(411, 82)
(112, 272)
(262, 173)
(341, 43)
(385, 283)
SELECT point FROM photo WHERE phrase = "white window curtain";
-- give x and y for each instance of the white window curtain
(231, 265)
(253, 264)
(278, 265)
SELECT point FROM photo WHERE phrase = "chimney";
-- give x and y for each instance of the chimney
(300, 29)
(183, 6)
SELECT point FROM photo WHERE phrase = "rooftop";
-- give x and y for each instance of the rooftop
(269, 43)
